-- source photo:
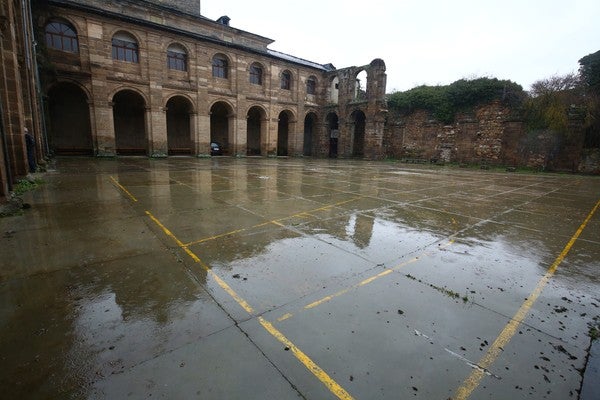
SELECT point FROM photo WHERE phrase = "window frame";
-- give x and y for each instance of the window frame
(286, 80)
(311, 86)
(63, 35)
(125, 50)
(177, 58)
(220, 70)
(256, 74)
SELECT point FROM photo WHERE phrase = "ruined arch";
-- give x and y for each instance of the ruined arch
(69, 127)
(334, 90)
(221, 126)
(358, 126)
(129, 115)
(179, 125)
(256, 120)
(310, 126)
(360, 85)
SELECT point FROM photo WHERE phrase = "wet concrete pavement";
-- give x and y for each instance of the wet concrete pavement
(287, 278)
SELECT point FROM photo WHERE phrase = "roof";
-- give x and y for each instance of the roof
(297, 60)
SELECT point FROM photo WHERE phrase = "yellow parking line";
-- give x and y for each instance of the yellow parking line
(472, 382)
(275, 221)
(332, 385)
(132, 197)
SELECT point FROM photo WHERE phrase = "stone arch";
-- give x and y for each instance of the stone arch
(332, 131)
(285, 123)
(256, 128)
(129, 115)
(358, 121)
(310, 127)
(360, 85)
(69, 127)
(222, 125)
(179, 110)
(334, 90)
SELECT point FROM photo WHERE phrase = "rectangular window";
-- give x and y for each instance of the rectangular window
(177, 61)
(256, 75)
(124, 51)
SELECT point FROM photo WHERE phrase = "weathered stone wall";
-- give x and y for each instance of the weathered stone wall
(490, 134)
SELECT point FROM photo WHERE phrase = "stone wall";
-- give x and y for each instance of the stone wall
(489, 134)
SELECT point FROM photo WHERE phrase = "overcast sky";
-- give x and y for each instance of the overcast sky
(427, 42)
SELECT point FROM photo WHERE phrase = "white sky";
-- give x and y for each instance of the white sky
(427, 42)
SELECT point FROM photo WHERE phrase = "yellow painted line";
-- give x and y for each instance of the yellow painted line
(197, 259)
(215, 237)
(364, 282)
(472, 382)
(284, 317)
(332, 385)
(232, 293)
(275, 221)
(132, 197)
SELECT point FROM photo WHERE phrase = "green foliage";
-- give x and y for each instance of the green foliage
(26, 185)
(445, 101)
(589, 69)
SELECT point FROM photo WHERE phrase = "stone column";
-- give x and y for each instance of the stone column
(104, 129)
(156, 128)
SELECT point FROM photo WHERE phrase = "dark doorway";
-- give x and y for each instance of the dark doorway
(254, 122)
(70, 131)
(282, 134)
(130, 130)
(358, 139)
(179, 138)
(220, 113)
(333, 134)
(309, 131)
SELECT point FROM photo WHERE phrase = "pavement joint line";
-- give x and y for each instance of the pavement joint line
(274, 221)
(132, 197)
(308, 363)
(473, 381)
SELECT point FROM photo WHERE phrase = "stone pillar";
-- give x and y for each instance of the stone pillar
(202, 135)
(241, 136)
(104, 129)
(156, 128)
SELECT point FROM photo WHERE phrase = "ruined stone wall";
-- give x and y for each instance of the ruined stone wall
(474, 138)
(490, 135)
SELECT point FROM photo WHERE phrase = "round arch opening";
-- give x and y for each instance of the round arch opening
(70, 131)
(130, 128)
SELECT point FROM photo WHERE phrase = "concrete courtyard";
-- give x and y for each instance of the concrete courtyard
(259, 278)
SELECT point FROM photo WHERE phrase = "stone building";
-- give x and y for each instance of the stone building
(19, 98)
(156, 78)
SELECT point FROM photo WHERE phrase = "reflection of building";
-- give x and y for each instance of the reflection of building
(157, 78)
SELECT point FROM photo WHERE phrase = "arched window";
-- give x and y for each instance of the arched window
(286, 80)
(61, 36)
(125, 48)
(311, 85)
(177, 57)
(220, 66)
(256, 74)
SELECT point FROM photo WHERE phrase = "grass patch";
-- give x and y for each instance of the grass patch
(25, 185)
